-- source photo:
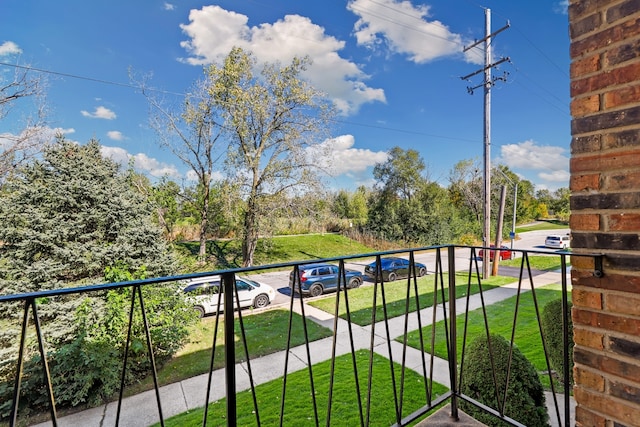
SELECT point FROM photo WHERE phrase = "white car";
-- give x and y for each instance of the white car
(205, 292)
(557, 241)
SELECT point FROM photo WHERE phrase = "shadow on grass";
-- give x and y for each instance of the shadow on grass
(265, 332)
(344, 408)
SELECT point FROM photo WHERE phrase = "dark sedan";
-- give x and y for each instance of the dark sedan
(394, 268)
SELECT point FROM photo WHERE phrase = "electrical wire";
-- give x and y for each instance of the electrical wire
(130, 86)
(364, 10)
(91, 79)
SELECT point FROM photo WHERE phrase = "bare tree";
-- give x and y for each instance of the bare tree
(17, 86)
(264, 125)
(465, 186)
(191, 133)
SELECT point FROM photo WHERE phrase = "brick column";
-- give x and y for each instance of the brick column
(605, 209)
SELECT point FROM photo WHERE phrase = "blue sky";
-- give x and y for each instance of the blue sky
(392, 69)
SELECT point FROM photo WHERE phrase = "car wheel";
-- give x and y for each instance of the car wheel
(200, 311)
(261, 301)
(392, 276)
(354, 283)
(315, 290)
(422, 272)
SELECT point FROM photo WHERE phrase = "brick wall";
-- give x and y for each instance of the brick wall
(605, 209)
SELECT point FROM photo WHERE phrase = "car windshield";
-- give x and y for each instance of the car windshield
(202, 288)
(252, 282)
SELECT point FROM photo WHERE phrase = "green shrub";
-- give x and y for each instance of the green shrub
(525, 395)
(552, 326)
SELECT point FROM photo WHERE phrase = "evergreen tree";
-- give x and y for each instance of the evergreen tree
(521, 391)
(73, 218)
(67, 217)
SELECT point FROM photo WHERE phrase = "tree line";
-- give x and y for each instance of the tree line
(404, 206)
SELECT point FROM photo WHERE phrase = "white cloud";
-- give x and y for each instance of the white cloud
(555, 176)
(169, 6)
(9, 48)
(341, 158)
(193, 177)
(561, 7)
(404, 29)
(43, 135)
(100, 113)
(116, 135)
(141, 162)
(213, 31)
(529, 155)
(550, 162)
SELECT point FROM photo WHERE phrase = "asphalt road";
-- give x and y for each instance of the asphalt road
(531, 240)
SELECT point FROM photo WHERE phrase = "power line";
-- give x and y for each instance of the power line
(410, 27)
(563, 108)
(130, 86)
(410, 132)
(91, 79)
(395, 22)
(541, 52)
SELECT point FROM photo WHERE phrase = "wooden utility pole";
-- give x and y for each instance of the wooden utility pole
(488, 82)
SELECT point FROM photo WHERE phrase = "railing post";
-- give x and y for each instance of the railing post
(453, 341)
(228, 286)
(565, 341)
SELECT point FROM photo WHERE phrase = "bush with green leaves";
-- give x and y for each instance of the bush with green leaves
(551, 320)
(73, 218)
(525, 401)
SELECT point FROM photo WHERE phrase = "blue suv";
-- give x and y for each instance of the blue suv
(317, 278)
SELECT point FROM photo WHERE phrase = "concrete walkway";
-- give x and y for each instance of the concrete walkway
(141, 410)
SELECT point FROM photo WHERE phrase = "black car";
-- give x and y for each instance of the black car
(393, 269)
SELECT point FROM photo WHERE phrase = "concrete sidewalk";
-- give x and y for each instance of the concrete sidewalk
(141, 410)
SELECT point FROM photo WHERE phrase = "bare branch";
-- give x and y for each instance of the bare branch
(21, 144)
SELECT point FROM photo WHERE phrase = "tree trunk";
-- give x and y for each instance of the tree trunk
(204, 222)
(250, 238)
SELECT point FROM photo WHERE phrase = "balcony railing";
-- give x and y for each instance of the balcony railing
(386, 334)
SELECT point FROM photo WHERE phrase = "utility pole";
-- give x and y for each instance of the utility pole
(487, 84)
(498, 244)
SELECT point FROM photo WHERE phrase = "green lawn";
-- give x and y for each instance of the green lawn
(538, 262)
(551, 224)
(282, 249)
(298, 405)
(361, 299)
(500, 320)
(265, 332)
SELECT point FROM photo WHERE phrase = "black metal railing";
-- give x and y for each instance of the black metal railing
(380, 331)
